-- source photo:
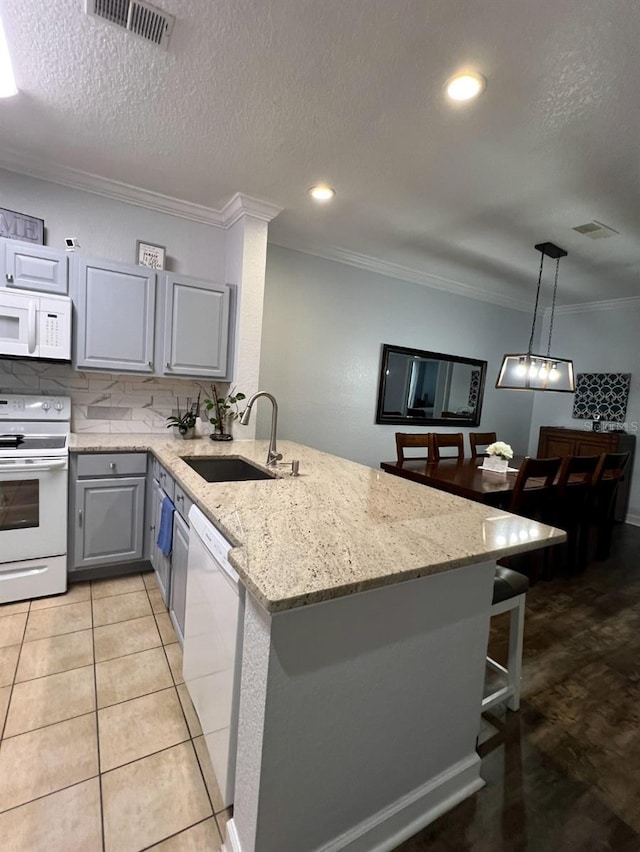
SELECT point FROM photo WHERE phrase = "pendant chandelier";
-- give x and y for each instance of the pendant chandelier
(528, 371)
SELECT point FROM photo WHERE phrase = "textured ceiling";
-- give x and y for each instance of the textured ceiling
(267, 97)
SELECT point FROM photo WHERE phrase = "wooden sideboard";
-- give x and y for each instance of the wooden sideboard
(556, 441)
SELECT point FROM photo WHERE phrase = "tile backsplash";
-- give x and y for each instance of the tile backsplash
(103, 402)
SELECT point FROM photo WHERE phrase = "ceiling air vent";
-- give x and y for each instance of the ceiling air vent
(596, 230)
(138, 17)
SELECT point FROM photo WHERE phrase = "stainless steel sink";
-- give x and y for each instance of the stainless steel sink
(225, 469)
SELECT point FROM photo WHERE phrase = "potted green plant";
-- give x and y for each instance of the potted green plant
(185, 422)
(222, 410)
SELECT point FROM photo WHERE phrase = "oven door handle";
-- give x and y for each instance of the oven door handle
(31, 329)
(25, 468)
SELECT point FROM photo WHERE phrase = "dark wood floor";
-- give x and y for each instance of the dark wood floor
(564, 773)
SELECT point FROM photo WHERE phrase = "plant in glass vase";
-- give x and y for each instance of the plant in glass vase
(185, 422)
(223, 410)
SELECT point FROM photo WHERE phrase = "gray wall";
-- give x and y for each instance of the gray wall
(324, 326)
(599, 341)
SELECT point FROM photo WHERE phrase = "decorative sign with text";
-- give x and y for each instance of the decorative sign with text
(20, 226)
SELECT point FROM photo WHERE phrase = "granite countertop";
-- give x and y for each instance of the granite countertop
(336, 529)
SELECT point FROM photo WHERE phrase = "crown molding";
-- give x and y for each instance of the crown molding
(604, 305)
(239, 205)
(406, 273)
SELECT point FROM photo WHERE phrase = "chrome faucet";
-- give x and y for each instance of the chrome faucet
(273, 455)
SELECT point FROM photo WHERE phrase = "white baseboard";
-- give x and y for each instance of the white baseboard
(390, 827)
(634, 520)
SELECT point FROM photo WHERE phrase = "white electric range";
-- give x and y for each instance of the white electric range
(34, 473)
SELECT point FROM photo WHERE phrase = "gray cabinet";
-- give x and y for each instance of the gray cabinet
(179, 559)
(33, 267)
(109, 517)
(196, 328)
(115, 316)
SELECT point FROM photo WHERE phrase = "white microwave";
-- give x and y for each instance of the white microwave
(35, 325)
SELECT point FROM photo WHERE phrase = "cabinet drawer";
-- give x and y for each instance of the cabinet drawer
(183, 503)
(112, 464)
(166, 483)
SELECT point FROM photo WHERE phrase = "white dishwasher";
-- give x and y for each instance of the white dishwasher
(212, 658)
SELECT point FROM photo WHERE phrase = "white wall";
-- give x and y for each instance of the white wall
(598, 341)
(324, 326)
(109, 229)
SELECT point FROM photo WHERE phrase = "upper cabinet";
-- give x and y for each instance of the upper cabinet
(196, 328)
(115, 316)
(28, 266)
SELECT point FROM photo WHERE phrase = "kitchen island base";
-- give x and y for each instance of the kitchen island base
(359, 716)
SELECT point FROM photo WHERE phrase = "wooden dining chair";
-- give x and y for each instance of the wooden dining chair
(480, 439)
(441, 440)
(610, 471)
(407, 439)
(533, 489)
(573, 492)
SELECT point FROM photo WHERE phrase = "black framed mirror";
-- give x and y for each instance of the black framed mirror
(422, 388)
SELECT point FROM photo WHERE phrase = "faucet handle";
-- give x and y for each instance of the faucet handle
(295, 468)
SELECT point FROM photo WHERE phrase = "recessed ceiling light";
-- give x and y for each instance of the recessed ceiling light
(465, 86)
(7, 80)
(322, 192)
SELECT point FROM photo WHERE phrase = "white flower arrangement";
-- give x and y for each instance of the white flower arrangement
(500, 449)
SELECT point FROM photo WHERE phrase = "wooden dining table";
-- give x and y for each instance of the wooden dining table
(463, 477)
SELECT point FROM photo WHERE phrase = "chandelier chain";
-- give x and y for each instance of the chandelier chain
(535, 309)
(553, 306)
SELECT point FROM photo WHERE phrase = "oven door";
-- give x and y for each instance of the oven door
(18, 324)
(33, 508)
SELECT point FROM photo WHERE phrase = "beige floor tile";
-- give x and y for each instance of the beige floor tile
(50, 699)
(117, 586)
(174, 655)
(57, 620)
(120, 608)
(149, 580)
(8, 660)
(152, 799)
(140, 727)
(12, 629)
(46, 760)
(55, 654)
(13, 608)
(68, 820)
(222, 819)
(193, 723)
(5, 695)
(131, 676)
(126, 637)
(165, 627)
(75, 593)
(157, 604)
(209, 774)
(203, 837)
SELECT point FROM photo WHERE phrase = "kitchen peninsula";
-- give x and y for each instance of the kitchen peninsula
(365, 632)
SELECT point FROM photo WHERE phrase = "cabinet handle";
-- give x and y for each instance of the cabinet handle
(152, 527)
(168, 365)
(150, 364)
(79, 517)
(112, 465)
(9, 278)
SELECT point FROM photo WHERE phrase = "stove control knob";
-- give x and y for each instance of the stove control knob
(58, 406)
(45, 406)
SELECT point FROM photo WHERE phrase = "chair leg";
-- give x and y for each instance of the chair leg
(516, 643)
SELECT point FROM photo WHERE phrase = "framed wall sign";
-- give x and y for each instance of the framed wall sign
(151, 255)
(21, 226)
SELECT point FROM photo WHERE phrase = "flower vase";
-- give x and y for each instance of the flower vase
(222, 431)
(495, 464)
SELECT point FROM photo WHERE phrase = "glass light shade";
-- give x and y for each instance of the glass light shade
(7, 81)
(536, 372)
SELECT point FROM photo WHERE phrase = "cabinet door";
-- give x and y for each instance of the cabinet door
(32, 267)
(161, 563)
(115, 316)
(179, 559)
(196, 332)
(109, 521)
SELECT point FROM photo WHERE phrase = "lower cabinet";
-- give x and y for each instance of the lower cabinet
(107, 510)
(161, 563)
(179, 559)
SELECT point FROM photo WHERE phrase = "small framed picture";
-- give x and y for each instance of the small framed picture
(151, 255)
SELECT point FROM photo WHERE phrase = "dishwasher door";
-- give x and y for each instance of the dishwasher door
(213, 645)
